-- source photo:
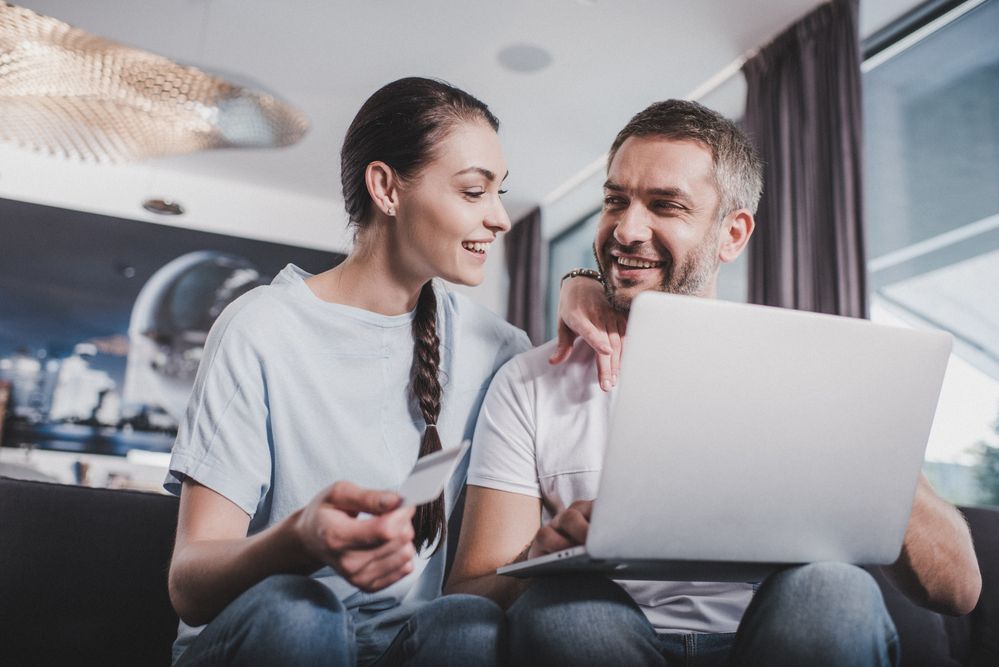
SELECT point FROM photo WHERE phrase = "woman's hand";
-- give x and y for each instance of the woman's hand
(214, 561)
(370, 553)
(583, 310)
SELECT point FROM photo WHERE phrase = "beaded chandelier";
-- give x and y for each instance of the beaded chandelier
(66, 92)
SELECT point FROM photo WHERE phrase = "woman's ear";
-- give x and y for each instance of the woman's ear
(383, 186)
(736, 229)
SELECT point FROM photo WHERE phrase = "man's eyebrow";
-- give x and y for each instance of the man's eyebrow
(490, 176)
(678, 193)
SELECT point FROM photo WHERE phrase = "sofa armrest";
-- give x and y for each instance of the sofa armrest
(83, 575)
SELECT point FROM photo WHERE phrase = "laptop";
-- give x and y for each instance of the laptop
(744, 439)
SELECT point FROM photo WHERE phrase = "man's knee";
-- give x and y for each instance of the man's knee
(552, 600)
(828, 590)
(821, 614)
(579, 621)
(457, 630)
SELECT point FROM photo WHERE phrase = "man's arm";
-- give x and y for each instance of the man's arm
(500, 528)
(496, 530)
(938, 568)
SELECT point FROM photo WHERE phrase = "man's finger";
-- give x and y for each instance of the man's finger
(349, 497)
(605, 371)
(566, 336)
(548, 540)
(572, 525)
(617, 343)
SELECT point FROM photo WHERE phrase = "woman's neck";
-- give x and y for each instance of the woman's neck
(369, 278)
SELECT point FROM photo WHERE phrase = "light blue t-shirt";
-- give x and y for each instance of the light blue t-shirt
(294, 394)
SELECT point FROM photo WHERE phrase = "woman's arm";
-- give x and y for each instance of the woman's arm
(938, 568)
(214, 561)
(583, 310)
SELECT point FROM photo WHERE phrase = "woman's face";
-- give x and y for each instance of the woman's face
(451, 212)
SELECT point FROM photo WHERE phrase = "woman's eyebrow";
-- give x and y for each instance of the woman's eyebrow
(481, 170)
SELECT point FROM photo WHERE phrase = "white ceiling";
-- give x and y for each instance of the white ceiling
(610, 59)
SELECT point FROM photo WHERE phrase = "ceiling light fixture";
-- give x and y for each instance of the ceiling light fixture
(66, 92)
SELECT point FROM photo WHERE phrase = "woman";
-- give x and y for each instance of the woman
(348, 375)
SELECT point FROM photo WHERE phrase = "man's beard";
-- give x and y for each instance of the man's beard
(689, 278)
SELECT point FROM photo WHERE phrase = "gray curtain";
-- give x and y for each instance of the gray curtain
(803, 112)
(525, 302)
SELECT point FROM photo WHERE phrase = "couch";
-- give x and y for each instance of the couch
(83, 580)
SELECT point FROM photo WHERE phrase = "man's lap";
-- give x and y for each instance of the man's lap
(825, 613)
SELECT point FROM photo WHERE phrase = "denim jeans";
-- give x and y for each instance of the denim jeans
(295, 620)
(822, 614)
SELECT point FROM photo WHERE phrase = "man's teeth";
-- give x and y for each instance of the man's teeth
(475, 247)
(638, 263)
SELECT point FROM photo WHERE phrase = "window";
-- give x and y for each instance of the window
(931, 105)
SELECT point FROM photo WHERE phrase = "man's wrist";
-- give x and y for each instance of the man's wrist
(585, 273)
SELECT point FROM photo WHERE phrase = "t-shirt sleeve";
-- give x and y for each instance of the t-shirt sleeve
(503, 454)
(223, 440)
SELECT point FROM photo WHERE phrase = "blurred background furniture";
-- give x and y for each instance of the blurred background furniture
(83, 580)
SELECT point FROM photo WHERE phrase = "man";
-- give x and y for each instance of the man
(681, 191)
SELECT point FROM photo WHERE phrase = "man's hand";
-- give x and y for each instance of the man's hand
(567, 529)
(369, 553)
(583, 311)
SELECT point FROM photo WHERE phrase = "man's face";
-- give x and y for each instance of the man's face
(658, 230)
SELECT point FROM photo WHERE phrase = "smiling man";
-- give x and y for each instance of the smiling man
(681, 191)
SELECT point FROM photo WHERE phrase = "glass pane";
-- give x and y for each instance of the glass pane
(932, 160)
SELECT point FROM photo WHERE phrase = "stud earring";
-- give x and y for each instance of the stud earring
(391, 211)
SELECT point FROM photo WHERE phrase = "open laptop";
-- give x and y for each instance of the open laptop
(748, 438)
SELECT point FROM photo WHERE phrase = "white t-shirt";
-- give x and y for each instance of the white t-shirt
(294, 394)
(542, 432)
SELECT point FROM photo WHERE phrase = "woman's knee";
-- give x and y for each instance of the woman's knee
(298, 614)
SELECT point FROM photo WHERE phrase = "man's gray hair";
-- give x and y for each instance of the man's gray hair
(738, 173)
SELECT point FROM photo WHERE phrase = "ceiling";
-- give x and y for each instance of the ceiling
(609, 59)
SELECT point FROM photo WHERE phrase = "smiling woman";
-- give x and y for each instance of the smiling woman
(335, 379)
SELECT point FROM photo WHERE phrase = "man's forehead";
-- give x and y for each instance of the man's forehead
(656, 162)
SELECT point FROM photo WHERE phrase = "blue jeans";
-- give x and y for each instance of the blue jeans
(295, 620)
(822, 614)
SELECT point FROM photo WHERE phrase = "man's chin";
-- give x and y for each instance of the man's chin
(620, 298)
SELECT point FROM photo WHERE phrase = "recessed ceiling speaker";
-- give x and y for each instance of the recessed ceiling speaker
(525, 58)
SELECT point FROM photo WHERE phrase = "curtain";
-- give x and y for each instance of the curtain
(803, 112)
(525, 301)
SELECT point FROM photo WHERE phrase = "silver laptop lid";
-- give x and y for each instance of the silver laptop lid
(749, 433)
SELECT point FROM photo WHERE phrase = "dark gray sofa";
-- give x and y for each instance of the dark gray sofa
(83, 580)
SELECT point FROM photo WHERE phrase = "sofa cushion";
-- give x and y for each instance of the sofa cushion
(922, 636)
(83, 575)
(983, 650)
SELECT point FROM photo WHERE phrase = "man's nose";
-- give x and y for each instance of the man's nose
(633, 226)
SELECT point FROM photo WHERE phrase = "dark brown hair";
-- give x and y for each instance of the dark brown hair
(401, 125)
(738, 173)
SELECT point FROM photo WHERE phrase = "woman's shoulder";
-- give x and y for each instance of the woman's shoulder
(253, 314)
(472, 318)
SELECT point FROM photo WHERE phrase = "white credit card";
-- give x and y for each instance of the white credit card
(430, 475)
